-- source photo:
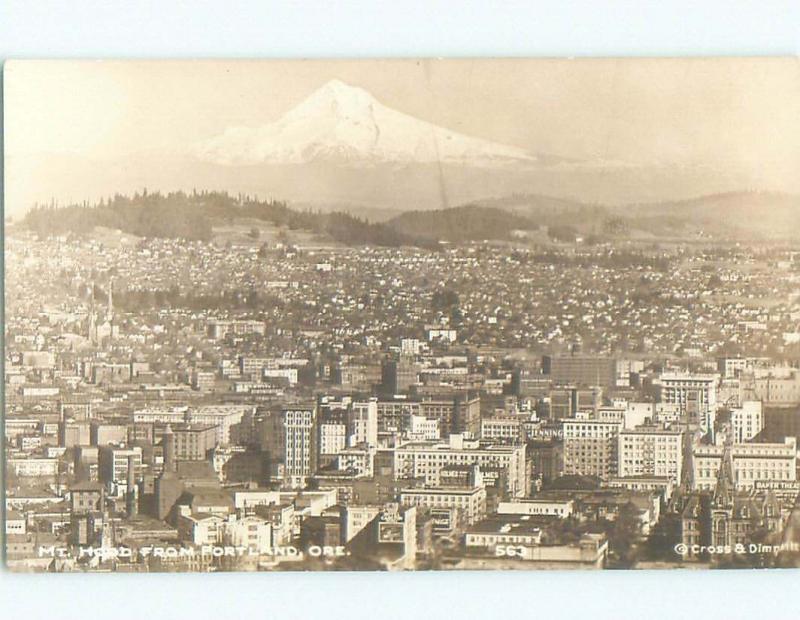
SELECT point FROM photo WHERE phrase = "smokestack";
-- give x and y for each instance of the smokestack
(168, 443)
(131, 498)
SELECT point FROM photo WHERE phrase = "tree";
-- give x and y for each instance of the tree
(625, 534)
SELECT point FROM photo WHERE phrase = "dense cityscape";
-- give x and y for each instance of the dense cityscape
(272, 399)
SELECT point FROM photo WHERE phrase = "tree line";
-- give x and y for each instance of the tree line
(192, 215)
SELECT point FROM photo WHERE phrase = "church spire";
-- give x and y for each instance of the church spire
(723, 492)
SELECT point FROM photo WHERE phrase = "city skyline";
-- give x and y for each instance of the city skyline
(402, 377)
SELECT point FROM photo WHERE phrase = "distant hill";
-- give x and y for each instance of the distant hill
(535, 204)
(466, 223)
(192, 216)
(195, 215)
(742, 214)
(746, 213)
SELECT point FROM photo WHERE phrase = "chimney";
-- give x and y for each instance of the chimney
(168, 443)
(131, 499)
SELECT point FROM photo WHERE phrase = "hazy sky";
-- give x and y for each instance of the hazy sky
(728, 114)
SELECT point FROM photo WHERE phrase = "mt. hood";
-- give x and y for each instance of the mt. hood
(346, 125)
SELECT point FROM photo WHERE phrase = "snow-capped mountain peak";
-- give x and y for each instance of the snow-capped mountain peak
(347, 125)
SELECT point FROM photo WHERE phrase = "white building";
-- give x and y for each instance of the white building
(163, 415)
(747, 421)
(423, 429)
(637, 414)
(113, 464)
(221, 416)
(471, 502)
(426, 459)
(200, 528)
(650, 451)
(356, 518)
(252, 532)
(411, 346)
(298, 426)
(533, 506)
(501, 428)
(752, 463)
(358, 459)
(362, 418)
(290, 374)
(33, 467)
(440, 334)
(332, 437)
(695, 394)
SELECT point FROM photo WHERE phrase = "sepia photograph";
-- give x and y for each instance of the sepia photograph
(401, 314)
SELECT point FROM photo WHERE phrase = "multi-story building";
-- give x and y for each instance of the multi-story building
(776, 388)
(362, 422)
(86, 497)
(580, 369)
(732, 367)
(590, 447)
(252, 366)
(359, 460)
(426, 459)
(440, 333)
(565, 402)
(218, 329)
(747, 421)
(203, 381)
(503, 428)
(470, 502)
(547, 458)
(249, 531)
(441, 409)
(422, 429)
(103, 433)
(163, 415)
(501, 531)
(650, 451)
(394, 415)
(113, 464)
(561, 508)
(331, 437)
(729, 516)
(32, 467)
(193, 441)
(300, 444)
(72, 434)
(695, 394)
(398, 375)
(288, 375)
(467, 414)
(223, 417)
(751, 463)
(201, 528)
(356, 518)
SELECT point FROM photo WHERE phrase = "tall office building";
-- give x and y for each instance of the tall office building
(300, 443)
(747, 421)
(467, 414)
(590, 447)
(651, 451)
(362, 422)
(580, 369)
(398, 375)
(694, 394)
